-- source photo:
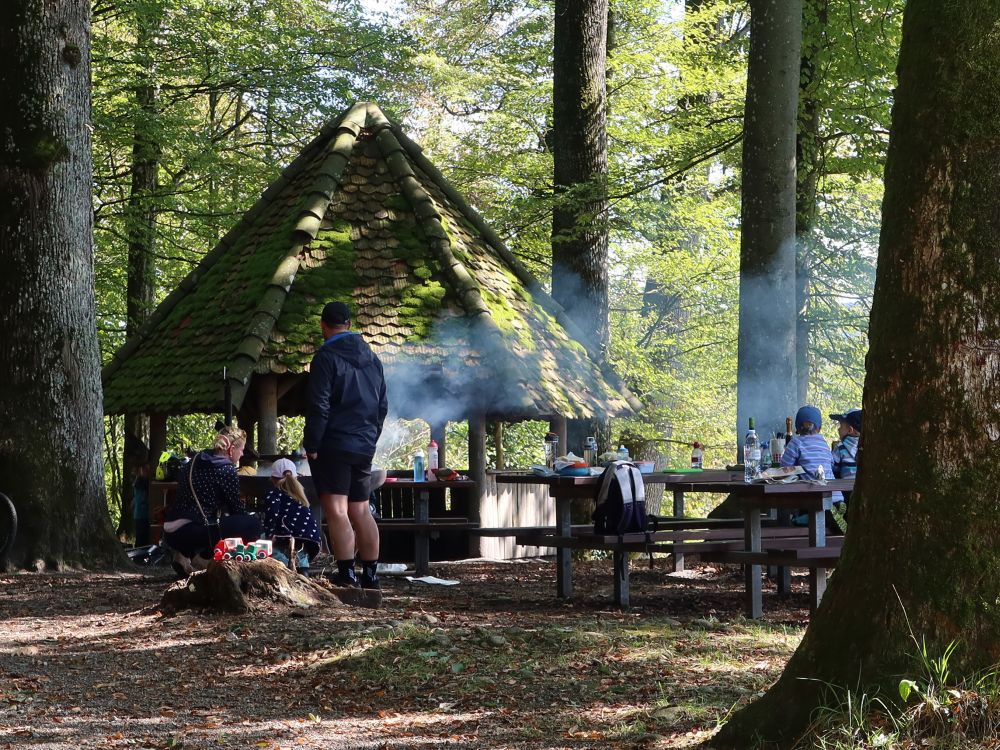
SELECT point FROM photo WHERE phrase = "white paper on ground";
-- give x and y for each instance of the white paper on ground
(390, 568)
(432, 580)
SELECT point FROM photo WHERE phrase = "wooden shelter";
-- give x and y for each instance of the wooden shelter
(463, 329)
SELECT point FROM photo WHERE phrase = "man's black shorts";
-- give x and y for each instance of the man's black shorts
(336, 472)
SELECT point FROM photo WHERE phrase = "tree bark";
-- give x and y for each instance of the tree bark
(140, 228)
(580, 165)
(50, 414)
(926, 510)
(808, 162)
(766, 351)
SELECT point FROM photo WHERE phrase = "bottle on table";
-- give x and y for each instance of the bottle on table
(418, 466)
(590, 451)
(623, 453)
(697, 454)
(432, 460)
(788, 430)
(751, 454)
(551, 450)
(765, 456)
(777, 448)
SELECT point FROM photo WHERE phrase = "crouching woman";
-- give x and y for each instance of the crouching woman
(208, 486)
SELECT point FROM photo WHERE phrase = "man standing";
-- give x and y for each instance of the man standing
(344, 416)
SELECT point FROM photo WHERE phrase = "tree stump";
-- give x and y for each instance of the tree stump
(241, 587)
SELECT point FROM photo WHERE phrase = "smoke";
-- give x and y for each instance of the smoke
(460, 369)
(766, 369)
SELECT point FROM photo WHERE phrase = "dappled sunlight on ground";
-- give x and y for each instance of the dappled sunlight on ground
(495, 662)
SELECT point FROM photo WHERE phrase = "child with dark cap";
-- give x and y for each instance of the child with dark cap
(845, 451)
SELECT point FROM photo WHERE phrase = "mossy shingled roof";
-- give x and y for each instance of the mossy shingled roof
(362, 216)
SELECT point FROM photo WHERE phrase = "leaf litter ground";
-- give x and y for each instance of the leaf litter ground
(495, 662)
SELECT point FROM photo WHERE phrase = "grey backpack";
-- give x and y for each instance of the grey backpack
(621, 500)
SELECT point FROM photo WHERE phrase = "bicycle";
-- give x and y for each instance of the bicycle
(8, 525)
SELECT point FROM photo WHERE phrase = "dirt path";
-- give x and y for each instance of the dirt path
(495, 662)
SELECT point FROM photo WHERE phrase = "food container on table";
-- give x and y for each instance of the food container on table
(645, 467)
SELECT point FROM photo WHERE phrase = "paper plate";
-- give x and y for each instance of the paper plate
(683, 471)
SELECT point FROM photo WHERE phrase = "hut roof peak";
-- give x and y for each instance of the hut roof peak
(362, 215)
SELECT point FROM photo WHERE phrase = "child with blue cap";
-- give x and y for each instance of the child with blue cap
(808, 448)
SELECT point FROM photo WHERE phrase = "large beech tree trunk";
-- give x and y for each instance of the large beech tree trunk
(808, 165)
(580, 164)
(50, 399)
(926, 511)
(765, 386)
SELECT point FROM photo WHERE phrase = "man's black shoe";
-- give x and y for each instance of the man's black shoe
(344, 580)
(370, 582)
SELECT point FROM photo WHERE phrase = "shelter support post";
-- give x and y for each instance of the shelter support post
(267, 412)
(498, 442)
(477, 473)
(157, 436)
(557, 425)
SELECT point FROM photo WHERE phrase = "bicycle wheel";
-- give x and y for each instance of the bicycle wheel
(8, 525)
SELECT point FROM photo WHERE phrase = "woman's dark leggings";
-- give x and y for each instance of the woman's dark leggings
(195, 537)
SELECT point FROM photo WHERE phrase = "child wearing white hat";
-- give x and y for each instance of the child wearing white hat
(288, 519)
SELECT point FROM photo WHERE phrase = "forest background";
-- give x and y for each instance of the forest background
(198, 104)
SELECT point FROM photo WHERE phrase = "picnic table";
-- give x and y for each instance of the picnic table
(405, 507)
(720, 540)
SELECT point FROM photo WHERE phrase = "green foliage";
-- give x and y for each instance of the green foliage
(232, 93)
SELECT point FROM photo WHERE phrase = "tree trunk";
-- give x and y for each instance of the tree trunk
(241, 587)
(766, 351)
(50, 414)
(140, 228)
(926, 510)
(808, 167)
(580, 165)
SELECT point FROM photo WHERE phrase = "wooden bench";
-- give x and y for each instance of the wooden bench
(449, 523)
(715, 541)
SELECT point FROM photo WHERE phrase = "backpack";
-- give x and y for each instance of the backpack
(621, 500)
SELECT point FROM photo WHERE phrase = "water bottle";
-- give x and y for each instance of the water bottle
(418, 466)
(696, 455)
(751, 455)
(622, 453)
(432, 460)
(590, 451)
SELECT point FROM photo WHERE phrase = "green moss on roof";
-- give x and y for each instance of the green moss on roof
(371, 250)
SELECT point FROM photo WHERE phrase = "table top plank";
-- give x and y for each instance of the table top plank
(710, 481)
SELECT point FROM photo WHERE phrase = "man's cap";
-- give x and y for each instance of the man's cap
(282, 465)
(808, 414)
(851, 417)
(336, 314)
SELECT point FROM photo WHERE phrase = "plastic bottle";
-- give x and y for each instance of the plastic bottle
(551, 450)
(696, 455)
(432, 460)
(590, 451)
(623, 453)
(418, 466)
(751, 454)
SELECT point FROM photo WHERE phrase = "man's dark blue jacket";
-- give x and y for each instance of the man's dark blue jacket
(347, 403)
